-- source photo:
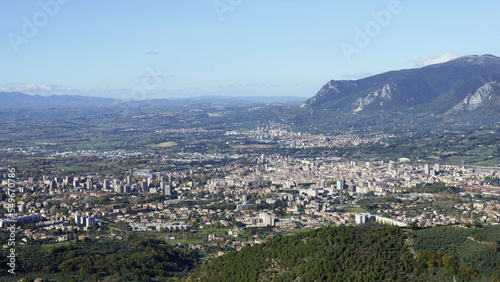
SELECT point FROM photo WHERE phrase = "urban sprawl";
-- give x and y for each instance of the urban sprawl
(279, 192)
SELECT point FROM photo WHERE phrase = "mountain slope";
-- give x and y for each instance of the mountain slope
(463, 84)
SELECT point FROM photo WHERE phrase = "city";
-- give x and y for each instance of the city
(232, 140)
(278, 191)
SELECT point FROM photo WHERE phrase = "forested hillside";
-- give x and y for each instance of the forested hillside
(372, 253)
(138, 259)
(326, 254)
(463, 253)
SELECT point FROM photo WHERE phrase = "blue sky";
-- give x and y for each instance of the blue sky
(177, 48)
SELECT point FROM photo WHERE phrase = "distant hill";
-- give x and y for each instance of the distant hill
(246, 99)
(15, 100)
(461, 85)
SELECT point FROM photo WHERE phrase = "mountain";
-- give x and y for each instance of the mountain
(464, 84)
(15, 100)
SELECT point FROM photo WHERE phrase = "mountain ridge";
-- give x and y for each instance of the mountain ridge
(439, 87)
(18, 100)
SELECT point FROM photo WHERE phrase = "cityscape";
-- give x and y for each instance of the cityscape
(233, 140)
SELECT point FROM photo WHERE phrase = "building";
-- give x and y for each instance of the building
(84, 220)
(241, 207)
(89, 184)
(437, 167)
(78, 219)
(362, 218)
(167, 190)
(144, 186)
(427, 169)
(89, 221)
(105, 184)
(246, 197)
(26, 219)
(389, 221)
(340, 184)
(68, 180)
(267, 219)
(116, 185)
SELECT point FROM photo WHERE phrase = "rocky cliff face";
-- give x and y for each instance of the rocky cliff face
(339, 86)
(379, 96)
(486, 94)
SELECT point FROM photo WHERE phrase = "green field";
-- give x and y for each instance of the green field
(184, 241)
(73, 168)
(166, 144)
(355, 209)
(252, 146)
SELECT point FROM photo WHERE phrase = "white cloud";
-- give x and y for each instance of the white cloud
(431, 60)
(33, 88)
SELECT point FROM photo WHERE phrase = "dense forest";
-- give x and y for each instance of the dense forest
(137, 259)
(326, 254)
(370, 253)
(464, 253)
(434, 188)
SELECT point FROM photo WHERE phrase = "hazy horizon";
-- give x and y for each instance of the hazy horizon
(167, 49)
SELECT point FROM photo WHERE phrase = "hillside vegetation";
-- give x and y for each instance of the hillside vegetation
(369, 253)
(326, 254)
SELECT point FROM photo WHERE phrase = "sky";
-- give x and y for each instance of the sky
(145, 49)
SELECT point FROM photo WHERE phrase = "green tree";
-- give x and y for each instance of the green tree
(496, 276)
(450, 264)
